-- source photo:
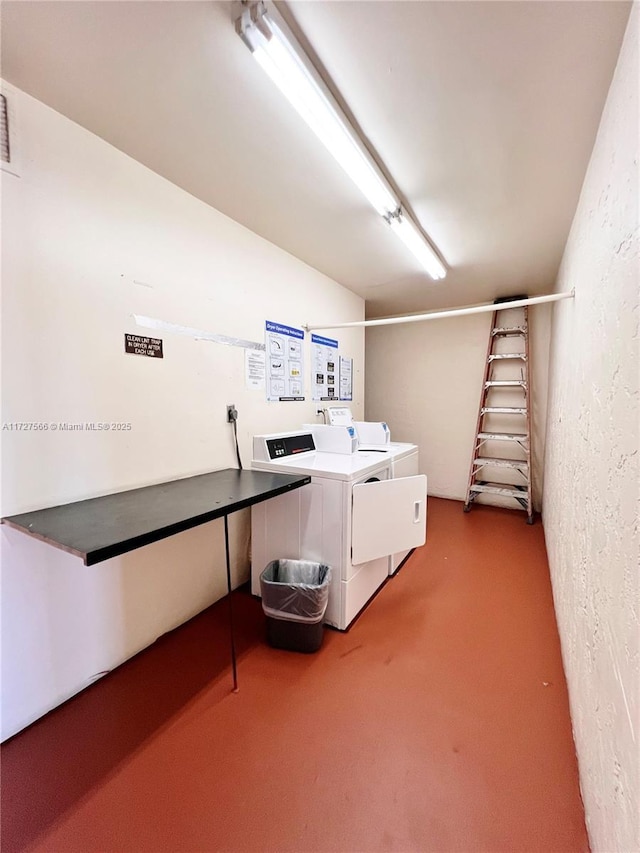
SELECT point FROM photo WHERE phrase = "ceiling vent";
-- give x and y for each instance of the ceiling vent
(9, 147)
(5, 149)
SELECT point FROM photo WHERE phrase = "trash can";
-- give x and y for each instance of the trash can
(294, 600)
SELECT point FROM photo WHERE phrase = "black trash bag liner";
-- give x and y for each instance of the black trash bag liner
(295, 590)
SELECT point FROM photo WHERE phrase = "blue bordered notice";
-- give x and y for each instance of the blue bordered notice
(284, 347)
(324, 368)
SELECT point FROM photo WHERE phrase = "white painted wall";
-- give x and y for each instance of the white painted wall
(425, 380)
(89, 238)
(592, 472)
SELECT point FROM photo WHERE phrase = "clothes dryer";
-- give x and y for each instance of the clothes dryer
(353, 516)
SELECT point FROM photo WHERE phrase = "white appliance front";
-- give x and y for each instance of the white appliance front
(316, 523)
(388, 516)
(404, 463)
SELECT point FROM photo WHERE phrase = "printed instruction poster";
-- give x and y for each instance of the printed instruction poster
(285, 362)
(255, 368)
(324, 368)
(346, 378)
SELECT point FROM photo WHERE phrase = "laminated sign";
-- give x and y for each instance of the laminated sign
(346, 378)
(285, 362)
(324, 366)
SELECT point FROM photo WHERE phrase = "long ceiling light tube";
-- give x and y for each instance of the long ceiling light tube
(278, 53)
(441, 315)
(404, 228)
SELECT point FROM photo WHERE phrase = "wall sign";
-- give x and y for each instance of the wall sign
(346, 378)
(255, 368)
(285, 362)
(324, 366)
(140, 345)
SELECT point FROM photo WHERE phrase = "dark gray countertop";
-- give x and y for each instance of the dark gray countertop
(100, 528)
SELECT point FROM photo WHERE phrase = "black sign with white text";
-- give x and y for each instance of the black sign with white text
(140, 345)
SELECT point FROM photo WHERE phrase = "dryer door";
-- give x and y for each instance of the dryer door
(388, 516)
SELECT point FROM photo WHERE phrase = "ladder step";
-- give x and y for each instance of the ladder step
(502, 410)
(503, 355)
(519, 464)
(499, 489)
(512, 332)
(503, 436)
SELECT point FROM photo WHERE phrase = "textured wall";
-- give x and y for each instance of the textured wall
(591, 468)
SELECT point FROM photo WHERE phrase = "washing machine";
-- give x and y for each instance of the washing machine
(353, 516)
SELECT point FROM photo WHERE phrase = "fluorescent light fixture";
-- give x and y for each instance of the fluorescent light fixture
(282, 58)
(292, 79)
(404, 228)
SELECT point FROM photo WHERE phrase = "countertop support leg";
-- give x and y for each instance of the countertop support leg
(231, 631)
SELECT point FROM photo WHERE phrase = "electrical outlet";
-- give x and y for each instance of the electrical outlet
(232, 413)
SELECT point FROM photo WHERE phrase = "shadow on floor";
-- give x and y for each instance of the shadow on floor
(52, 765)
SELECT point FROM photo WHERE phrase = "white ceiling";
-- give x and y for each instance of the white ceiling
(484, 114)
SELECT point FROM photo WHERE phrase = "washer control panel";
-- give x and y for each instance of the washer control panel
(279, 448)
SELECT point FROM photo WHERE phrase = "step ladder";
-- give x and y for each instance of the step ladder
(507, 353)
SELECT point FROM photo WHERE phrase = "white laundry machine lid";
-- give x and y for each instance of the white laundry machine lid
(334, 466)
(295, 453)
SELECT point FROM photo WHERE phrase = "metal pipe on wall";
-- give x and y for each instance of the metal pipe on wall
(454, 312)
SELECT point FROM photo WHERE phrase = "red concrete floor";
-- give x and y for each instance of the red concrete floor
(438, 722)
